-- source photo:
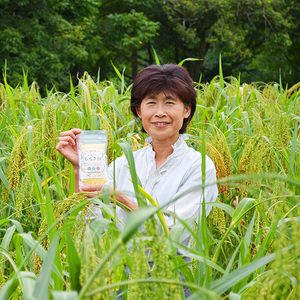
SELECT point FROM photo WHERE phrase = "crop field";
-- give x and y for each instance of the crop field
(247, 248)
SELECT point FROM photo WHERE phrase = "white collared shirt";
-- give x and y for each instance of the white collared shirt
(181, 171)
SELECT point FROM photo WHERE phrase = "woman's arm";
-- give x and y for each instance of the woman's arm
(68, 148)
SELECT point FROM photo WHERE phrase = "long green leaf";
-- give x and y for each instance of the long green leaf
(64, 295)
(160, 215)
(27, 282)
(135, 180)
(188, 59)
(156, 57)
(38, 249)
(223, 284)
(41, 288)
(240, 211)
(7, 237)
(74, 262)
(11, 100)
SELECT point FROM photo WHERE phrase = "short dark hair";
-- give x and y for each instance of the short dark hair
(170, 78)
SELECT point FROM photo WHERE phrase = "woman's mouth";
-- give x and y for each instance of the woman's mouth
(160, 124)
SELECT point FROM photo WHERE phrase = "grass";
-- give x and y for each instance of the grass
(248, 247)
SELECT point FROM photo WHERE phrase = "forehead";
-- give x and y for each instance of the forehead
(164, 94)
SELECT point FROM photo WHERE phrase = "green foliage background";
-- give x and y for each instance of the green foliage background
(52, 39)
(248, 247)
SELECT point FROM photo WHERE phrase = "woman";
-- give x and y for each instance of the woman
(164, 98)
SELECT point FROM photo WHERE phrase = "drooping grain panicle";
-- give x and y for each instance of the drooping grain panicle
(49, 126)
(4, 194)
(139, 270)
(105, 125)
(2, 95)
(253, 158)
(17, 160)
(219, 142)
(88, 255)
(281, 281)
(162, 266)
(34, 92)
(216, 157)
(210, 93)
(20, 198)
(218, 218)
(60, 209)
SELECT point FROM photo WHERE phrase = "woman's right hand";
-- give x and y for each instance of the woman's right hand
(67, 146)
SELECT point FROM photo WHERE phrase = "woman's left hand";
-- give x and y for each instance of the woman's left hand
(95, 189)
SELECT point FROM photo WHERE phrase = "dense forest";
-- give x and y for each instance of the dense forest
(51, 39)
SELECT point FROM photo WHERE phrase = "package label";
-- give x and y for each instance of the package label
(92, 162)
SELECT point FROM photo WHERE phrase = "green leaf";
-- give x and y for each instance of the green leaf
(49, 214)
(241, 209)
(188, 59)
(74, 262)
(293, 151)
(223, 284)
(234, 296)
(3, 179)
(156, 57)
(38, 249)
(65, 295)
(11, 99)
(27, 281)
(160, 215)
(198, 256)
(221, 72)
(41, 288)
(135, 180)
(3, 222)
(136, 219)
(117, 71)
(226, 207)
(7, 237)
(7, 290)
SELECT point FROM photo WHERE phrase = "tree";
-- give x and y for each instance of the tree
(52, 39)
(126, 31)
(246, 33)
(37, 38)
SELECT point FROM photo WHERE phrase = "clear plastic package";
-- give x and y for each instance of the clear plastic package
(92, 149)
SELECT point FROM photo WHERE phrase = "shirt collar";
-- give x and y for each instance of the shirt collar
(181, 139)
(179, 147)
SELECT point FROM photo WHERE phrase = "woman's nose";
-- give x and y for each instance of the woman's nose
(160, 111)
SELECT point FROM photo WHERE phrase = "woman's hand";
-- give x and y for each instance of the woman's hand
(95, 189)
(67, 146)
(120, 197)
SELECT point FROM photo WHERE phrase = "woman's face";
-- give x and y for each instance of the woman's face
(162, 116)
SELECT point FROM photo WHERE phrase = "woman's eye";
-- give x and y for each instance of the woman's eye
(170, 102)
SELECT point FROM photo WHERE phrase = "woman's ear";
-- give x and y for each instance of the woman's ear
(187, 111)
(138, 111)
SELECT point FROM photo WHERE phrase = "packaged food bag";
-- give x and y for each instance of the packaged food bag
(92, 149)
